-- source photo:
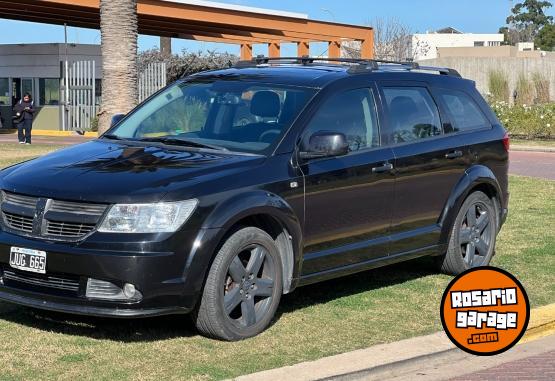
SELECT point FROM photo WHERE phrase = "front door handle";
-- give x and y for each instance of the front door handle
(454, 154)
(386, 167)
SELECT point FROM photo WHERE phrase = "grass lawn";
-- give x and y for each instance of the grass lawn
(533, 143)
(315, 321)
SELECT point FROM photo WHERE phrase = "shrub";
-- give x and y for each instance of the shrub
(186, 63)
(527, 121)
(524, 90)
(94, 124)
(498, 86)
(541, 83)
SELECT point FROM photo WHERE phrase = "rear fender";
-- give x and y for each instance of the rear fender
(475, 176)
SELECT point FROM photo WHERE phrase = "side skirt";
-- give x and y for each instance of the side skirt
(368, 265)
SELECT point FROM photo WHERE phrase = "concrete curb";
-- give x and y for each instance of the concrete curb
(392, 355)
(515, 147)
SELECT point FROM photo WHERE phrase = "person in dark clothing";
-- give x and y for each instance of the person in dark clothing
(24, 113)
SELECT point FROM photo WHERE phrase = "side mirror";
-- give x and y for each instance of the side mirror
(325, 144)
(116, 118)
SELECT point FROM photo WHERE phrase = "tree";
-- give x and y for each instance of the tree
(186, 63)
(393, 41)
(545, 40)
(511, 35)
(118, 31)
(528, 18)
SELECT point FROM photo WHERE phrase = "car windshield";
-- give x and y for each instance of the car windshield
(218, 114)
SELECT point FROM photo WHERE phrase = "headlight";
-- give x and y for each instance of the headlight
(162, 217)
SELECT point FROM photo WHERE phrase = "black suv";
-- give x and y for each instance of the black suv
(229, 188)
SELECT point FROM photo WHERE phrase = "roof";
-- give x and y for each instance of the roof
(241, 8)
(318, 75)
(450, 30)
(295, 75)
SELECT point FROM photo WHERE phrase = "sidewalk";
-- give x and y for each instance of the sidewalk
(425, 357)
(42, 139)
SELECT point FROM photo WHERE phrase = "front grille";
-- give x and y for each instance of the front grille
(38, 282)
(68, 229)
(57, 219)
(17, 222)
(77, 208)
(17, 199)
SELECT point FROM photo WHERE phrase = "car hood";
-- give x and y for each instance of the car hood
(106, 171)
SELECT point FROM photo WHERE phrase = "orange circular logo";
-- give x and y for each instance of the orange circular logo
(485, 311)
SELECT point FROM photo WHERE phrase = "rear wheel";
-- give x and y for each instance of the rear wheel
(243, 287)
(473, 236)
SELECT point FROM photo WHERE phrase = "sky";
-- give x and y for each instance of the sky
(471, 16)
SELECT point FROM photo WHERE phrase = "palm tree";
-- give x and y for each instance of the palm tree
(118, 30)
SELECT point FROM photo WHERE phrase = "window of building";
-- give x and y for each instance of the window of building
(413, 114)
(49, 91)
(463, 111)
(4, 91)
(478, 43)
(352, 113)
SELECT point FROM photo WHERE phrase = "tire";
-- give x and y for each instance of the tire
(239, 301)
(473, 235)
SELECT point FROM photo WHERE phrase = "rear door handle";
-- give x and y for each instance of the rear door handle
(454, 154)
(386, 167)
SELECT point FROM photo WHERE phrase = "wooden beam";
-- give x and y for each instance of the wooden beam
(367, 47)
(334, 49)
(246, 51)
(274, 50)
(165, 18)
(263, 23)
(303, 48)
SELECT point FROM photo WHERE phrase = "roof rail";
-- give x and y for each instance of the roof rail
(358, 64)
(304, 60)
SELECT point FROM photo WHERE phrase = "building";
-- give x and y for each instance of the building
(521, 50)
(425, 45)
(37, 69)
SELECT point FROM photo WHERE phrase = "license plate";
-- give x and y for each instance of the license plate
(28, 260)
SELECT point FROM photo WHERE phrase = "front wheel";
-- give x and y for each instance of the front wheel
(473, 236)
(243, 288)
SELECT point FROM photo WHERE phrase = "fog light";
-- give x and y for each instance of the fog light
(103, 290)
(129, 290)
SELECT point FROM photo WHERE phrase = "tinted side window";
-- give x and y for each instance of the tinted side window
(412, 112)
(463, 111)
(352, 113)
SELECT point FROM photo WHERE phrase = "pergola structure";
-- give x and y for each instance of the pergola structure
(204, 21)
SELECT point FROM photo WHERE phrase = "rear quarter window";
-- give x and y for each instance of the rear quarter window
(463, 112)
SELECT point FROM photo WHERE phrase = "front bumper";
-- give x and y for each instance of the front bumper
(169, 273)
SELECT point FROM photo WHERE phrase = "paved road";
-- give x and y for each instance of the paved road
(538, 368)
(535, 164)
(530, 361)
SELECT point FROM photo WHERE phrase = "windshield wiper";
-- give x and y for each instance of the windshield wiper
(111, 137)
(182, 142)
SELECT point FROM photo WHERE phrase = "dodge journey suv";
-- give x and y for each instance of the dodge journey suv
(229, 188)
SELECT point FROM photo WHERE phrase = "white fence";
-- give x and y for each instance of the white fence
(79, 103)
(152, 79)
(78, 94)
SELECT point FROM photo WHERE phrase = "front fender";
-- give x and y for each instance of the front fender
(229, 212)
(474, 176)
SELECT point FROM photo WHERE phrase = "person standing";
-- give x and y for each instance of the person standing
(24, 114)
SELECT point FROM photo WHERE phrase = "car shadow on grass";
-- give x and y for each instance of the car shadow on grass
(181, 326)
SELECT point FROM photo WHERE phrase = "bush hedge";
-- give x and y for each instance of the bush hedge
(525, 121)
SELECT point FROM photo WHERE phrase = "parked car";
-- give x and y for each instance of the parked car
(182, 207)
